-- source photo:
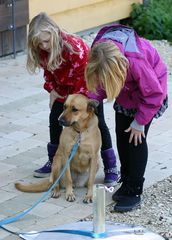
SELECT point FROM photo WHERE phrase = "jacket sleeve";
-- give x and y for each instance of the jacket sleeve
(100, 94)
(151, 86)
(50, 83)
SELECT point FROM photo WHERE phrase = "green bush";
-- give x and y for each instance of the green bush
(152, 21)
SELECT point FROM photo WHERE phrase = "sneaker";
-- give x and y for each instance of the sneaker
(128, 203)
(111, 177)
(44, 171)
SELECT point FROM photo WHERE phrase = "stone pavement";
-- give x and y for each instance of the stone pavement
(23, 138)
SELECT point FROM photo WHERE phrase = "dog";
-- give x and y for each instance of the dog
(79, 120)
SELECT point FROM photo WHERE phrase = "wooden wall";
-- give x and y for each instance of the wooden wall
(80, 15)
(14, 18)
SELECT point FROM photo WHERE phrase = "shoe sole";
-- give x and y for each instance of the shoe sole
(126, 209)
(111, 184)
(41, 175)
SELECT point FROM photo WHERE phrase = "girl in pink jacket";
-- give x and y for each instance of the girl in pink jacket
(125, 67)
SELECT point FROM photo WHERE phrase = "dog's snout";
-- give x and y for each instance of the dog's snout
(63, 122)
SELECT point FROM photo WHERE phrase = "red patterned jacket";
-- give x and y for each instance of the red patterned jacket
(69, 77)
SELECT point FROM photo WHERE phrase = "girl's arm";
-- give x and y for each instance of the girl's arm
(78, 62)
(50, 83)
(50, 86)
(151, 89)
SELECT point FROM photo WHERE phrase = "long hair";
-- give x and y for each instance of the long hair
(39, 24)
(106, 67)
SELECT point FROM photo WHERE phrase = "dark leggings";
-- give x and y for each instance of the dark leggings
(56, 129)
(133, 159)
(104, 130)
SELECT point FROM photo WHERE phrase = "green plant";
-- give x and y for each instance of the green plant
(152, 21)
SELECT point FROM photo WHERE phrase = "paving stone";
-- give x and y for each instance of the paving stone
(78, 210)
(5, 142)
(4, 234)
(52, 222)
(12, 237)
(19, 160)
(9, 127)
(19, 147)
(6, 196)
(12, 207)
(18, 135)
(13, 176)
(45, 209)
(27, 223)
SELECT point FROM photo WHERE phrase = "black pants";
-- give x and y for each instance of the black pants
(133, 159)
(56, 129)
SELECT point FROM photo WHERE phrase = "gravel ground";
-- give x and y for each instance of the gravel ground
(155, 212)
(156, 209)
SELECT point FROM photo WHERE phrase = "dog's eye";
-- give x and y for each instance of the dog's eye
(74, 109)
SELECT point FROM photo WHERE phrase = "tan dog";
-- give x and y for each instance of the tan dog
(79, 119)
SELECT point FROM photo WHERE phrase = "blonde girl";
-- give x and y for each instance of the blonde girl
(63, 57)
(126, 68)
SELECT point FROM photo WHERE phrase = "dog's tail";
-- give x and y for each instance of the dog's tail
(34, 187)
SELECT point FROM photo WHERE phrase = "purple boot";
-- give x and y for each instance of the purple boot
(46, 169)
(110, 168)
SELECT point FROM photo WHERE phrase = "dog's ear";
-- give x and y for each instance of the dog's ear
(92, 106)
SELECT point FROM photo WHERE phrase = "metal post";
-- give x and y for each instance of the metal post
(14, 27)
(99, 208)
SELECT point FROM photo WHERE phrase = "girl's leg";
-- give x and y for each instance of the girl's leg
(138, 156)
(107, 152)
(55, 131)
(129, 154)
(133, 163)
(122, 123)
(55, 128)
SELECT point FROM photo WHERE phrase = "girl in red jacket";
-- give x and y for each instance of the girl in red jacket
(63, 58)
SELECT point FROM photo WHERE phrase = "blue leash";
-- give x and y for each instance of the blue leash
(68, 231)
(15, 218)
(76, 232)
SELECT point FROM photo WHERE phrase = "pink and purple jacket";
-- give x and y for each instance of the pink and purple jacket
(146, 83)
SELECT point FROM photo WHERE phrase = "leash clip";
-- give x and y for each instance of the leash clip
(79, 139)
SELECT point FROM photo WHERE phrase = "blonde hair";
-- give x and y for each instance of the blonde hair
(39, 24)
(106, 67)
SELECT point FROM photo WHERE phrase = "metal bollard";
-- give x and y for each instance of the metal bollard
(99, 208)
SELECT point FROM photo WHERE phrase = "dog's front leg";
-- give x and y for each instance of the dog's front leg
(70, 196)
(93, 170)
(55, 171)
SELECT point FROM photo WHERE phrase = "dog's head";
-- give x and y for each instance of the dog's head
(77, 110)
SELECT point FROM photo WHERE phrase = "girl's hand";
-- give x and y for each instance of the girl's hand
(53, 96)
(135, 135)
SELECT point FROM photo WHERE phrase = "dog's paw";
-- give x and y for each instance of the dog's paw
(70, 197)
(55, 194)
(88, 199)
